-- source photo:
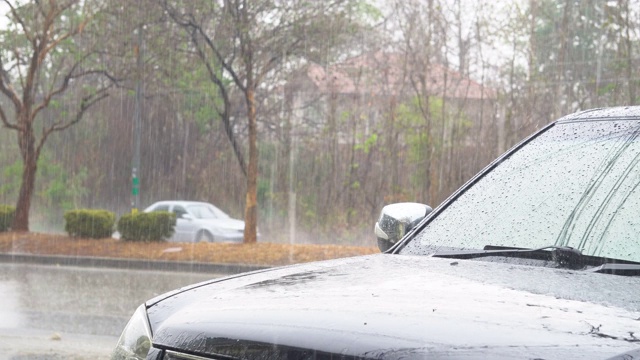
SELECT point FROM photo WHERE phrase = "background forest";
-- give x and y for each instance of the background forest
(339, 107)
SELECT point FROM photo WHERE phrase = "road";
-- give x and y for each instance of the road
(58, 312)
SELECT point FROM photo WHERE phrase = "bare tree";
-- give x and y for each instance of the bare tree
(246, 41)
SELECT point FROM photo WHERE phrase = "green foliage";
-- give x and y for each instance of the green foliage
(89, 223)
(62, 189)
(368, 11)
(200, 95)
(6, 217)
(429, 135)
(55, 188)
(27, 22)
(368, 144)
(152, 226)
(11, 175)
(307, 213)
(607, 89)
(420, 130)
(269, 165)
(264, 190)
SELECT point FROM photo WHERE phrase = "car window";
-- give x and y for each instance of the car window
(207, 211)
(179, 211)
(202, 212)
(161, 208)
(574, 185)
(217, 212)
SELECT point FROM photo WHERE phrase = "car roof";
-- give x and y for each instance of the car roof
(179, 202)
(611, 113)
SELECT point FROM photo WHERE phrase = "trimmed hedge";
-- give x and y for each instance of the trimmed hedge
(6, 217)
(89, 223)
(152, 226)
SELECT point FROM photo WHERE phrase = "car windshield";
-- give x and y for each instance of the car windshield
(574, 185)
(206, 211)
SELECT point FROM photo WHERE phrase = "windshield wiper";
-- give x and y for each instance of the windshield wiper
(617, 269)
(563, 256)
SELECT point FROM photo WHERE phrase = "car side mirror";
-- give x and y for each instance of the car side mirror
(186, 217)
(396, 220)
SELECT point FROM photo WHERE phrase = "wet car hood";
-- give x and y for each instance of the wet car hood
(390, 306)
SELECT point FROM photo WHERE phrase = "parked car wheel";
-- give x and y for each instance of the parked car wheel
(204, 236)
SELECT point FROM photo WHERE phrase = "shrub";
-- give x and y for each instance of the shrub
(6, 217)
(152, 226)
(89, 223)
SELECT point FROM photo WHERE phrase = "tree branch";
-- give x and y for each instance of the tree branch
(190, 23)
(87, 102)
(5, 121)
(224, 114)
(6, 88)
(65, 83)
(20, 21)
(76, 30)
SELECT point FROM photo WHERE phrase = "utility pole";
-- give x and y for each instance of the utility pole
(292, 160)
(137, 127)
(292, 186)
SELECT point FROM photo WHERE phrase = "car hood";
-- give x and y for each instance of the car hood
(391, 306)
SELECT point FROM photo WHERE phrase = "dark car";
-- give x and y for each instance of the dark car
(536, 257)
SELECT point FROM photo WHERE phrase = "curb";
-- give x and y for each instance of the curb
(132, 264)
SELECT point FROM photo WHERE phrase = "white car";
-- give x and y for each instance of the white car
(200, 221)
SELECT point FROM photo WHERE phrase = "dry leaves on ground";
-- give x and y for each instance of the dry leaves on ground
(264, 254)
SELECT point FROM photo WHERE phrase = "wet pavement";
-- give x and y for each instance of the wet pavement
(59, 312)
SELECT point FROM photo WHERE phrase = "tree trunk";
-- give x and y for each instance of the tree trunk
(251, 205)
(629, 56)
(29, 168)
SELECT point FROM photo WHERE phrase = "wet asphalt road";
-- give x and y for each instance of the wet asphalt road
(56, 312)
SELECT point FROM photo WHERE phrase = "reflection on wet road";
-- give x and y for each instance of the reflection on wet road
(50, 312)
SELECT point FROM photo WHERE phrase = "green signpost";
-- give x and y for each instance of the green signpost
(135, 192)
